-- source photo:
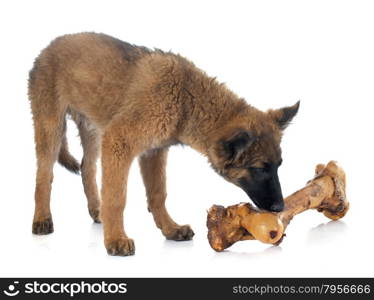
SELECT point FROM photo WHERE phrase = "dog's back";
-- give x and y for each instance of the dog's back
(81, 70)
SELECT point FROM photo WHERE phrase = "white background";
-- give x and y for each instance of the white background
(273, 53)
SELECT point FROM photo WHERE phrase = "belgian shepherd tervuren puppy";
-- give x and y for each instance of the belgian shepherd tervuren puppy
(129, 102)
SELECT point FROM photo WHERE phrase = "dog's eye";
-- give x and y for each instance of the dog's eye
(258, 170)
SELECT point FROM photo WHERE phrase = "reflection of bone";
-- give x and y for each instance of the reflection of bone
(325, 192)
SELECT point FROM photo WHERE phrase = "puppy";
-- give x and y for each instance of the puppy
(130, 101)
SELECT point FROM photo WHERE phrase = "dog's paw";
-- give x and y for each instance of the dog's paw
(42, 227)
(121, 247)
(180, 233)
(95, 214)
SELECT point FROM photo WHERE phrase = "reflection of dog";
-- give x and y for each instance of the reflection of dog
(12, 290)
(130, 101)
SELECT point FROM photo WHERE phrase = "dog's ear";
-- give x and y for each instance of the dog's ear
(284, 116)
(227, 146)
(236, 143)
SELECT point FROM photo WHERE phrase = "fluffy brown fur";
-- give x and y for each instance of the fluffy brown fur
(129, 102)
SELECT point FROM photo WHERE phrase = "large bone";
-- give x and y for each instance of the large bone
(325, 192)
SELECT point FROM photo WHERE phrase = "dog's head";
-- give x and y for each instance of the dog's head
(249, 155)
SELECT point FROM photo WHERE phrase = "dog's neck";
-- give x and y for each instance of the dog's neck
(210, 107)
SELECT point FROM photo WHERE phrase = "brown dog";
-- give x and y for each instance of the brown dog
(128, 102)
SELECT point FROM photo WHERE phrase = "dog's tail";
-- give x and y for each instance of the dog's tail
(66, 159)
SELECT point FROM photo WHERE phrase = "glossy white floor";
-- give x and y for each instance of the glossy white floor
(286, 55)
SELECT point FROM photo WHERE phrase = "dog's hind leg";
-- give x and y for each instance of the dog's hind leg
(153, 169)
(49, 125)
(91, 149)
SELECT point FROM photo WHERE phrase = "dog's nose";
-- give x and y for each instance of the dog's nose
(277, 207)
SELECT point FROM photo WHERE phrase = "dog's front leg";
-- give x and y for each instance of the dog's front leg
(117, 155)
(153, 169)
